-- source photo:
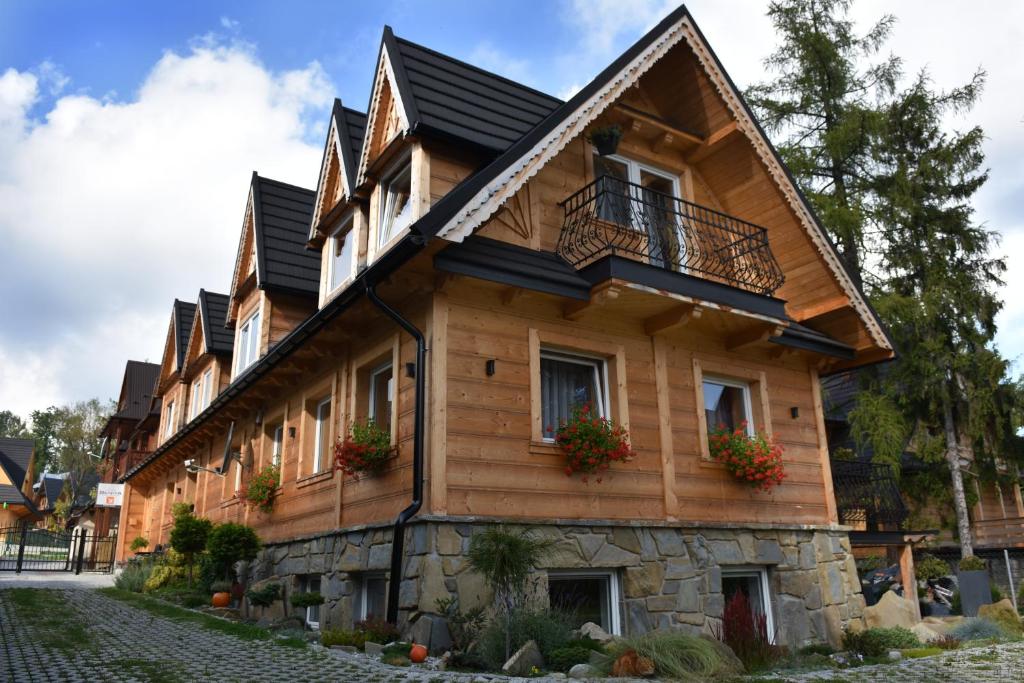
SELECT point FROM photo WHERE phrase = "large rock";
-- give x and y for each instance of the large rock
(583, 671)
(891, 610)
(432, 586)
(644, 580)
(594, 632)
(1004, 614)
(924, 633)
(523, 661)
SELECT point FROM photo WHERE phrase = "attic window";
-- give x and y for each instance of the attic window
(248, 343)
(396, 208)
(342, 251)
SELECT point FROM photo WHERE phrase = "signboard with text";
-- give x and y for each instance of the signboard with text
(109, 495)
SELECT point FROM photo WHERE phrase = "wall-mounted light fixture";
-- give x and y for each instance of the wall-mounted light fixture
(291, 432)
(490, 367)
(410, 370)
(794, 412)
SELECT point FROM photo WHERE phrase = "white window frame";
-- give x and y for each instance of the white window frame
(306, 585)
(371, 409)
(238, 474)
(248, 342)
(761, 574)
(398, 168)
(277, 445)
(614, 591)
(600, 367)
(197, 397)
(169, 427)
(318, 434)
(748, 405)
(207, 388)
(350, 239)
(364, 590)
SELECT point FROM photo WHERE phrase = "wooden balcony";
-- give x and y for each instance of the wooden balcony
(999, 533)
(612, 217)
(867, 496)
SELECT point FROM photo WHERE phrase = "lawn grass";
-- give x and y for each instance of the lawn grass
(54, 624)
(178, 614)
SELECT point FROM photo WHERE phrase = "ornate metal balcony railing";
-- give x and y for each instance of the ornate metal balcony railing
(613, 217)
(868, 493)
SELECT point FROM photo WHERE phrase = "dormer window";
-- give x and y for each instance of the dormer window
(248, 343)
(396, 207)
(342, 245)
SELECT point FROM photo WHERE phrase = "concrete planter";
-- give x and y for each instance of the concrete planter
(975, 591)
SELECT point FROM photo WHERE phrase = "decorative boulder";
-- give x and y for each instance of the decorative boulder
(594, 632)
(891, 610)
(581, 671)
(523, 661)
(925, 633)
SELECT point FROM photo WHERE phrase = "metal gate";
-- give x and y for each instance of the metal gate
(32, 549)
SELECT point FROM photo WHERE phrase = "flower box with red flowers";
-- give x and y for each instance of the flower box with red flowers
(261, 488)
(755, 460)
(366, 449)
(591, 443)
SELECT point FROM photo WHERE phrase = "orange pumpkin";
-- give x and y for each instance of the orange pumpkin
(221, 599)
(417, 654)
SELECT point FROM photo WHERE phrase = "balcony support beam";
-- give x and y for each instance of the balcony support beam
(713, 143)
(753, 335)
(672, 318)
(574, 310)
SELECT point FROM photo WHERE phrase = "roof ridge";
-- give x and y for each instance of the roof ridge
(474, 67)
(284, 184)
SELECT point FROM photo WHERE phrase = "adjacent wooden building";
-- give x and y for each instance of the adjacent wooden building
(468, 269)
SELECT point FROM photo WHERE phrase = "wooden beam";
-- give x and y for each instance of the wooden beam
(575, 309)
(713, 143)
(673, 317)
(753, 335)
(802, 315)
(658, 123)
(510, 294)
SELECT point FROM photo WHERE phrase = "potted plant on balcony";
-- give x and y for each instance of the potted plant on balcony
(591, 443)
(366, 449)
(973, 583)
(753, 460)
(605, 138)
(262, 487)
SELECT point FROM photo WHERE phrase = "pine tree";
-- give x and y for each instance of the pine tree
(824, 109)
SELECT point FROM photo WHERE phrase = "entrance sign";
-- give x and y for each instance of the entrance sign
(109, 495)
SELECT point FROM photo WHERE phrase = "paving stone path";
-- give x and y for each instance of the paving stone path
(131, 645)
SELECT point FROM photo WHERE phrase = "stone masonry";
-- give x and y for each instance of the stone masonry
(670, 576)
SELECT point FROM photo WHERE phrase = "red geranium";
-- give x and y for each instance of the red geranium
(366, 449)
(755, 460)
(591, 443)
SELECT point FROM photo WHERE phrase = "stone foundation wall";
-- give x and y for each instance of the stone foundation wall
(670, 577)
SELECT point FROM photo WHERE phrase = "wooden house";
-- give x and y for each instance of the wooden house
(16, 475)
(469, 269)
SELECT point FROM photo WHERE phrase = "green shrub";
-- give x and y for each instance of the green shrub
(823, 649)
(378, 630)
(134, 576)
(920, 652)
(309, 599)
(675, 655)
(220, 587)
(188, 537)
(400, 649)
(996, 594)
(163, 575)
(972, 563)
(463, 627)
(564, 658)
(138, 543)
(930, 567)
(976, 629)
(265, 596)
(875, 642)
(955, 607)
(550, 629)
(229, 543)
(871, 563)
(354, 638)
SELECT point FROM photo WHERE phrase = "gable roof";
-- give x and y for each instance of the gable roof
(183, 314)
(279, 215)
(456, 215)
(15, 460)
(213, 314)
(51, 485)
(341, 153)
(137, 389)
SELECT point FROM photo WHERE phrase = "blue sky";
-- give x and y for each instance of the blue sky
(128, 133)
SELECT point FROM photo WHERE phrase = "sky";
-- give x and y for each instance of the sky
(129, 132)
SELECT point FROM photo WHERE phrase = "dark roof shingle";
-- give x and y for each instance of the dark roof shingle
(137, 389)
(282, 214)
(184, 313)
(213, 313)
(15, 457)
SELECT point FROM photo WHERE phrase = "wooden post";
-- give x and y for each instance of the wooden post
(437, 451)
(668, 465)
(908, 578)
(826, 465)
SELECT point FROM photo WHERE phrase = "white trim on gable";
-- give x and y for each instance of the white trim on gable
(384, 70)
(248, 226)
(333, 153)
(485, 203)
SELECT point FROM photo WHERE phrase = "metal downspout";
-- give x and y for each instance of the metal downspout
(398, 535)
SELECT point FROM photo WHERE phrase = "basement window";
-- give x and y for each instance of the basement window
(568, 381)
(373, 595)
(311, 584)
(753, 583)
(396, 207)
(588, 595)
(727, 404)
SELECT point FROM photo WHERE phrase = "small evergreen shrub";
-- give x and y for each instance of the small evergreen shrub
(354, 637)
(265, 596)
(996, 594)
(551, 630)
(976, 629)
(972, 563)
(564, 658)
(930, 567)
(823, 649)
(875, 642)
(138, 543)
(229, 543)
(220, 587)
(378, 630)
(134, 576)
(309, 599)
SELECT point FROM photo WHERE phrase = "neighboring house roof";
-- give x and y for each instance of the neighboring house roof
(15, 458)
(184, 313)
(281, 218)
(137, 389)
(213, 313)
(450, 98)
(52, 485)
(14, 496)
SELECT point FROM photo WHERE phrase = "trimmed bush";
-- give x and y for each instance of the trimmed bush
(310, 599)
(972, 563)
(550, 629)
(930, 567)
(134, 576)
(575, 652)
(875, 642)
(229, 543)
(355, 638)
(976, 629)
(265, 596)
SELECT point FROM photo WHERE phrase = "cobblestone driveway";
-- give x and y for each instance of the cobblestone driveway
(129, 644)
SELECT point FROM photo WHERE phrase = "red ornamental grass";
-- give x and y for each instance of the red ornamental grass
(591, 443)
(755, 460)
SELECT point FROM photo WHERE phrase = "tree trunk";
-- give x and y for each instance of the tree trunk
(963, 520)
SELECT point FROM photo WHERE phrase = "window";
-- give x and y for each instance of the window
(753, 583)
(238, 474)
(277, 442)
(373, 595)
(169, 427)
(396, 205)
(342, 250)
(202, 390)
(322, 435)
(643, 197)
(568, 381)
(197, 398)
(207, 388)
(311, 584)
(727, 403)
(248, 346)
(588, 595)
(382, 389)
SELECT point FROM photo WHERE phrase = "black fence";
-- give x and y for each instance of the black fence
(24, 548)
(611, 216)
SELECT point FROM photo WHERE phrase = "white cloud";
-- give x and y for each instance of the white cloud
(487, 56)
(112, 207)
